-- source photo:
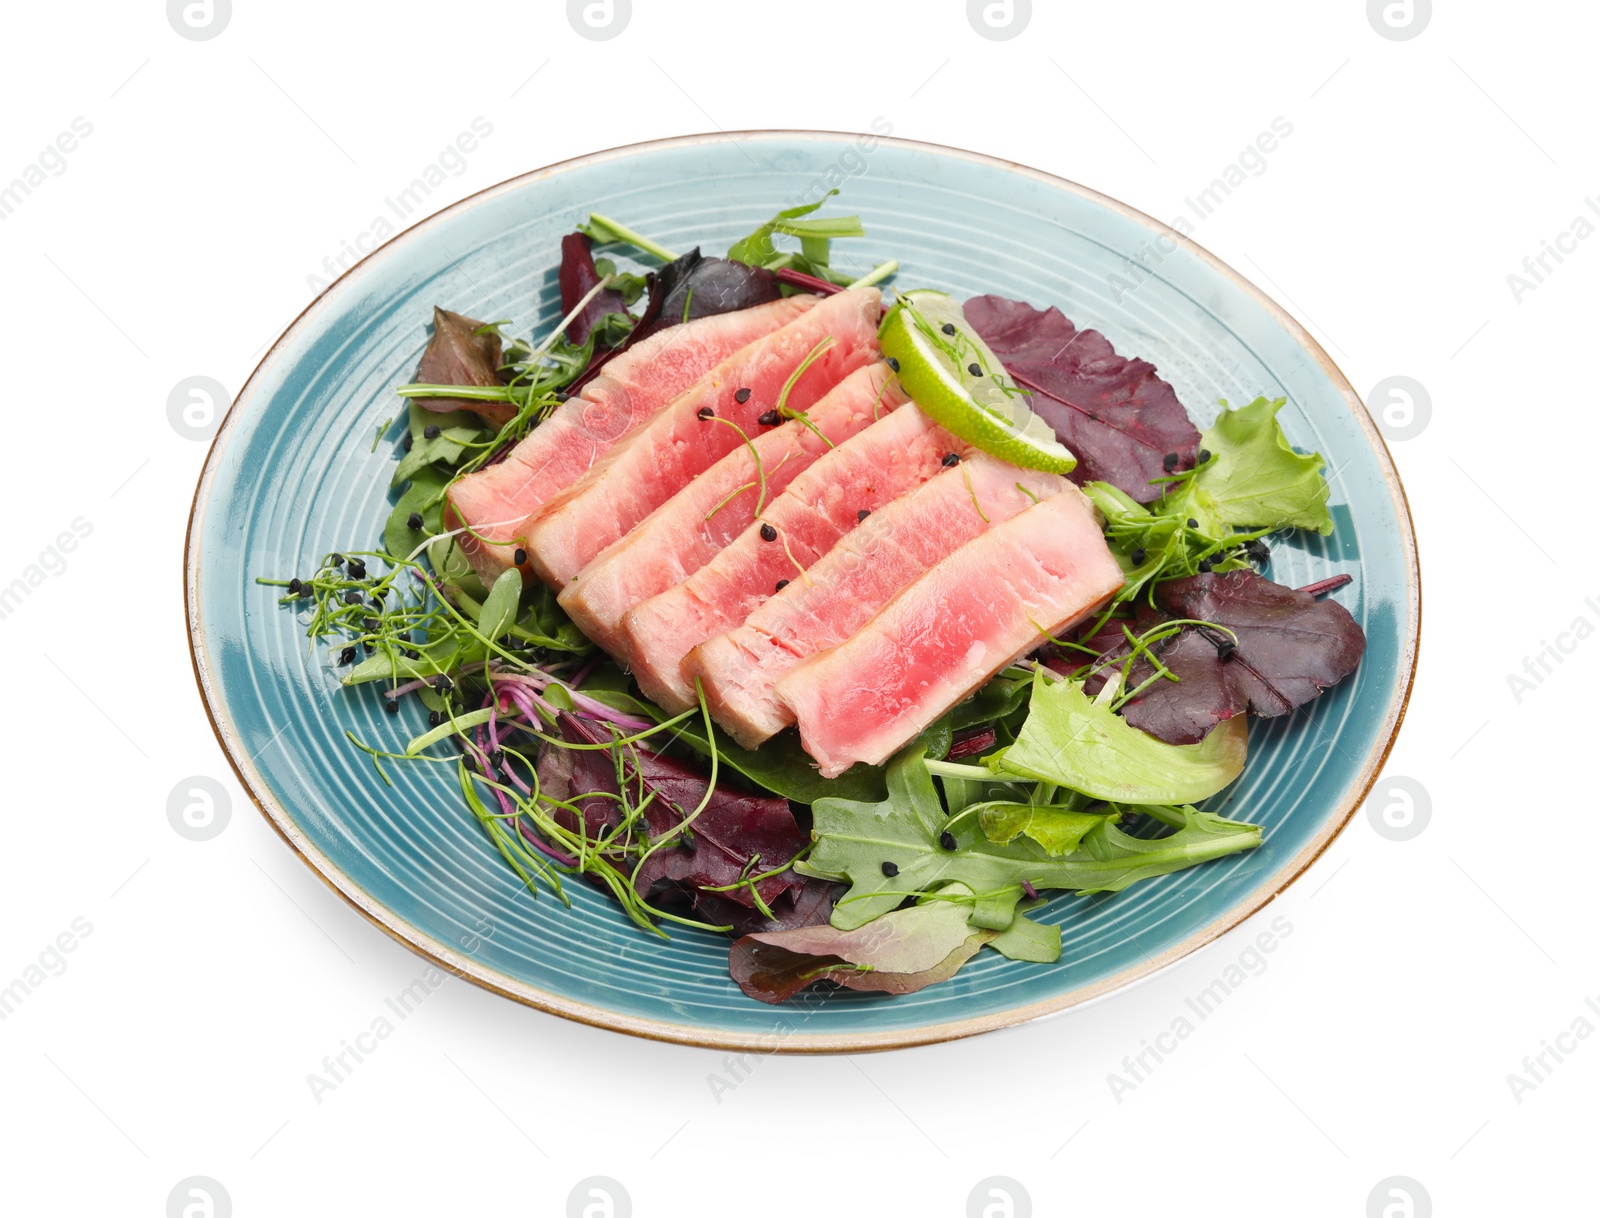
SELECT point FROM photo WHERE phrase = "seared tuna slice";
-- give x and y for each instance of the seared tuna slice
(698, 428)
(863, 474)
(496, 501)
(686, 531)
(851, 583)
(950, 631)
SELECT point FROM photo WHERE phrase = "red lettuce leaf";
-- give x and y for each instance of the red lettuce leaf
(811, 904)
(1117, 416)
(577, 278)
(897, 953)
(457, 356)
(1290, 647)
(735, 835)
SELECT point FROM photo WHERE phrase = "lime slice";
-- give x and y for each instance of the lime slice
(960, 384)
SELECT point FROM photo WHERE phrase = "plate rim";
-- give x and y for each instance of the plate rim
(456, 963)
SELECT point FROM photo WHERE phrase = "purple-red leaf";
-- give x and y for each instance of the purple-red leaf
(1117, 416)
(577, 278)
(735, 836)
(456, 355)
(1290, 647)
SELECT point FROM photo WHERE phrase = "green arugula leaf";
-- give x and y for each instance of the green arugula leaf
(853, 840)
(456, 430)
(500, 606)
(1058, 830)
(1077, 742)
(1028, 940)
(425, 496)
(758, 249)
(1254, 480)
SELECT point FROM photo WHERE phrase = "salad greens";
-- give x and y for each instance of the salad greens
(1076, 769)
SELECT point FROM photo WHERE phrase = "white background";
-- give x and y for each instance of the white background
(1418, 974)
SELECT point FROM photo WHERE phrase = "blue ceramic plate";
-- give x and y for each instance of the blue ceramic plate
(291, 475)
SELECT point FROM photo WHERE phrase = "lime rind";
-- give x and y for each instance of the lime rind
(985, 407)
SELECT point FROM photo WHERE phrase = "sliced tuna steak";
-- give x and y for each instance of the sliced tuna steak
(698, 428)
(950, 631)
(496, 501)
(851, 583)
(686, 531)
(879, 465)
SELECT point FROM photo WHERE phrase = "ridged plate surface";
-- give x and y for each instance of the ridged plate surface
(291, 476)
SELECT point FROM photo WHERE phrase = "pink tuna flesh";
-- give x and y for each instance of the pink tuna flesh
(686, 531)
(950, 631)
(659, 459)
(863, 474)
(630, 390)
(851, 583)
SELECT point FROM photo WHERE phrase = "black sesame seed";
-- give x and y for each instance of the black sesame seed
(371, 623)
(336, 561)
(862, 514)
(392, 706)
(356, 569)
(1226, 648)
(519, 556)
(377, 602)
(782, 584)
(768, 533)
(1193, 523)
(347, 656)
(1202, 456)
(1258, 550)
(406, 442)
(975, 368)
(352, 597)
(894, 364)
(414, 521)
(443, 683)
(950, 459)
(497, 759)
(769, 418)
(705, 413)
(1169, 462)
(891, 869)
(562, 395)
(430, 432)
(1205, 564)
(411, 654)
(742, 396)
(1138, 556)
(949, 327)
(947, 840)
(435, 718)
(294, 587)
